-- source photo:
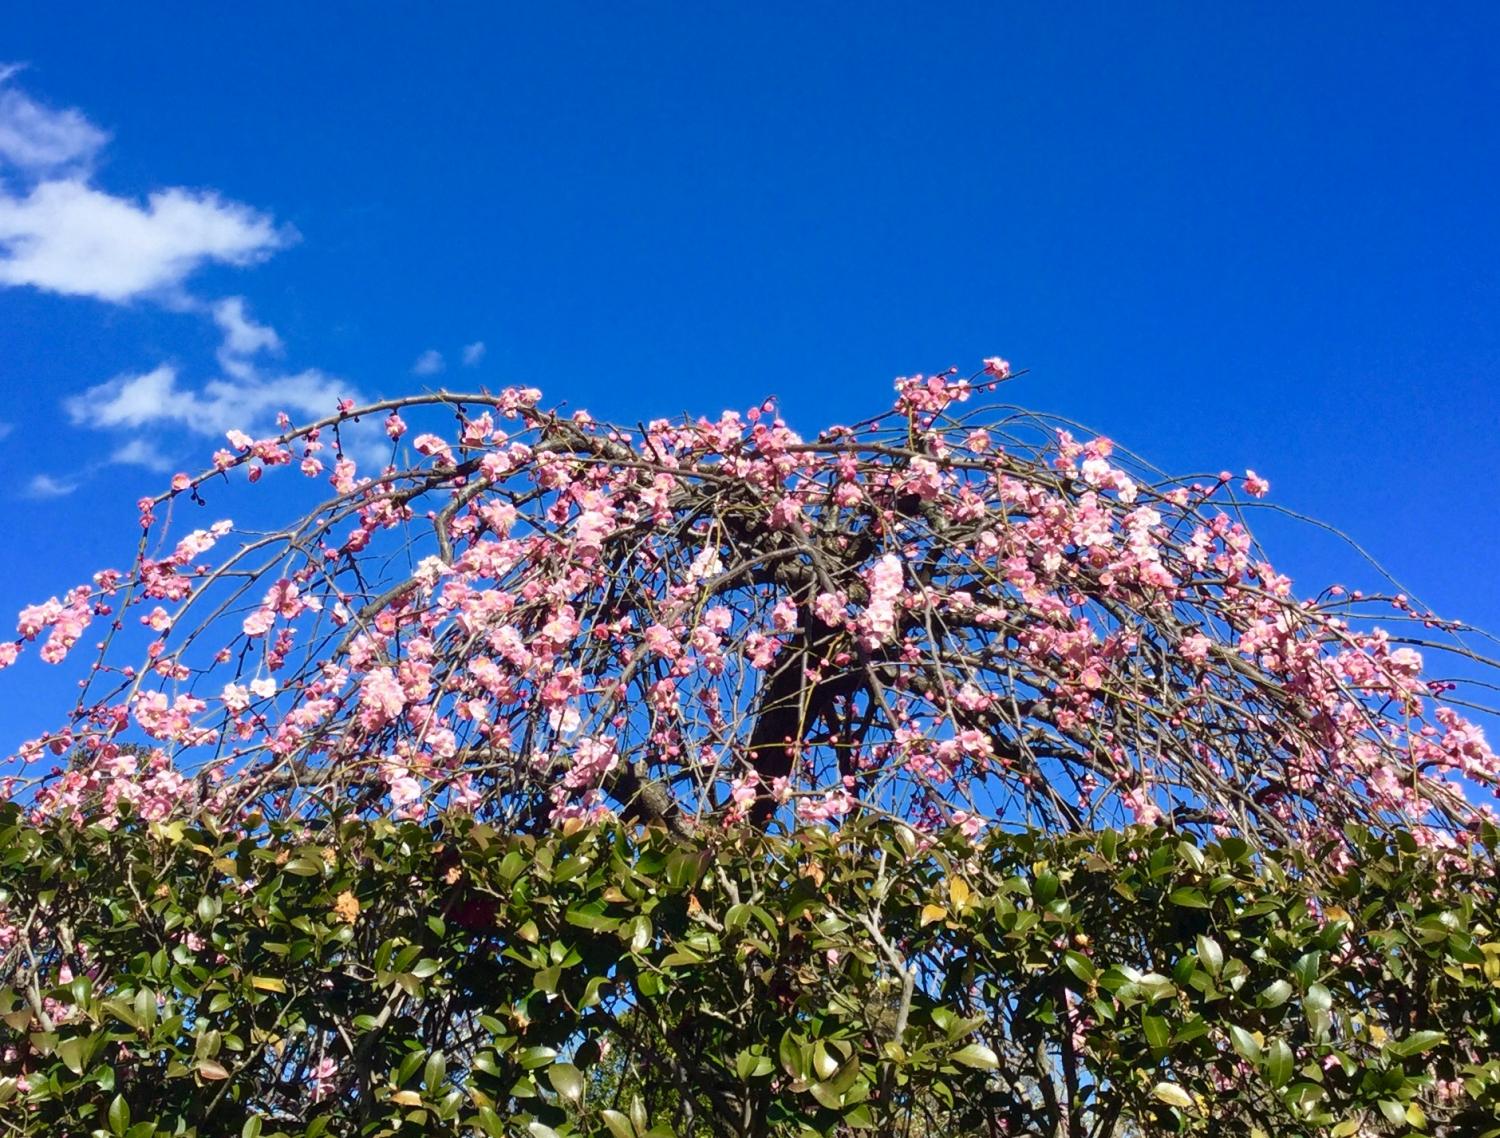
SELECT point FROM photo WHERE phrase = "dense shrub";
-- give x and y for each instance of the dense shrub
(381, 977)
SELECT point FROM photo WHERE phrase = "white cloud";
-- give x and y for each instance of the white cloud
(429, 362)
(247, 396)
(68, 238)
(243, 337)
(141, 452)
(473, 353)
(38, 140)
(155, 398)
(59, 233)
(125, 401)
(45, 486)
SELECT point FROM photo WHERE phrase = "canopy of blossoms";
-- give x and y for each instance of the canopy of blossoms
(954, 612)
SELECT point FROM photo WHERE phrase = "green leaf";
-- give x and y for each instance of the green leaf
(751, 1065)
(1081, 966)
(434, 1070)
(1211, 954)
(1172, 1095)
(567, 1081)
(826, 1096)
(70, 1051)
(1415, 1043)
(1245, 1043)
(119, 1115)
(790, 1053)
(408, 1065)
(1393, 1110)
(1158, 1031)
(1278, 1063)
(1188, 898)
(976, 1055)
(859, 1117)
(1304, 1097)
(1275, 994)
(1306, 968)
(618, 1124)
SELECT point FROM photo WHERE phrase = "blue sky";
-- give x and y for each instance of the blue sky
(1226, 235)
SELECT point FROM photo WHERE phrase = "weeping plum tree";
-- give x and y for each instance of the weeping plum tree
(696, 777)
(938, 616)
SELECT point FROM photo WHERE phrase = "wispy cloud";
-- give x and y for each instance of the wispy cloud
(247, 396)
(429, 362)
(46, 486)
(158, 398)
(39, 139)
(473, 353)
(243, 337)
(141, 452)
(60, 233)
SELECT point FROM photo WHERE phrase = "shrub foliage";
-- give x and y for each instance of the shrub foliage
(380, 977)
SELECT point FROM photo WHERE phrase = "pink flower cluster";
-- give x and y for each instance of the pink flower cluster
(539, 611)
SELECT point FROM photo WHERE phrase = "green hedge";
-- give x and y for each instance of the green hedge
(384, 978)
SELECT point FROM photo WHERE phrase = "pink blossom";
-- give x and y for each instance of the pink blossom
(786, 514)
(1194, 648)
(784, 615)
(434, 446)
(968, 824)
(761, 649)
(829, 607)
(259, 622)
(381, 698)
(743, 791)
(322, 1079)
(877, 624)
(706, 564)
(404, 790)
(661, 640)
(343, 475)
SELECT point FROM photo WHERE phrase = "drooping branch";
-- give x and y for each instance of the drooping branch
(942, 614)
